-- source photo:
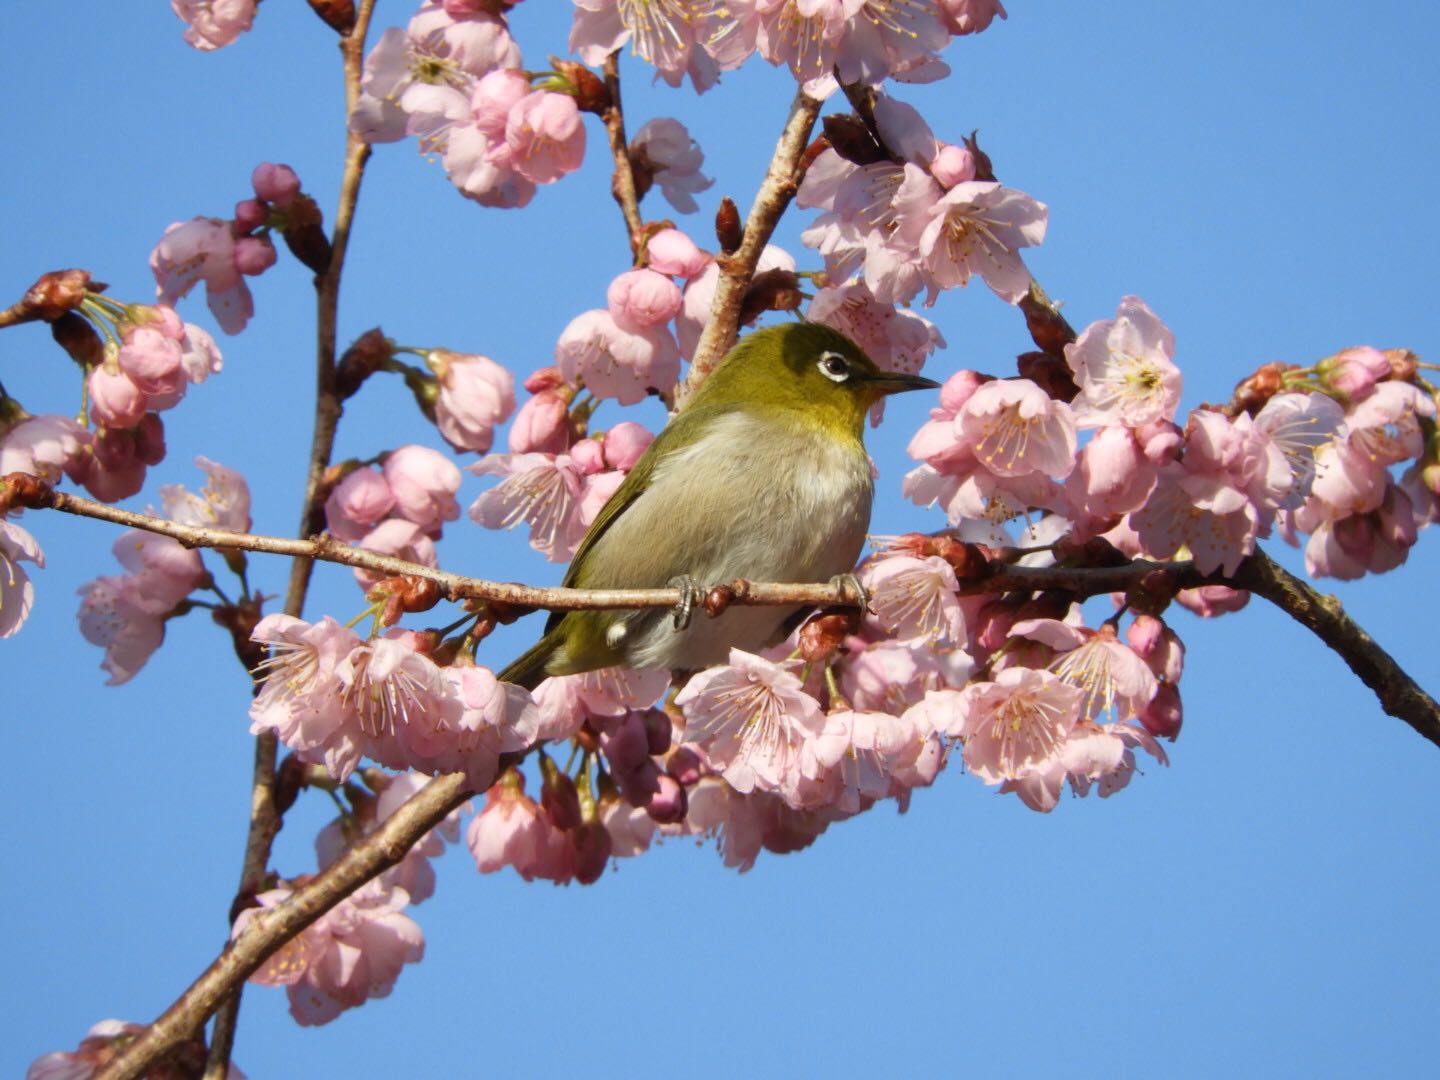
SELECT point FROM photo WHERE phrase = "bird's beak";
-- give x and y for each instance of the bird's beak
(897, 382)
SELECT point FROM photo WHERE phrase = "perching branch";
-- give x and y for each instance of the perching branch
(736, 271)
(271, 929)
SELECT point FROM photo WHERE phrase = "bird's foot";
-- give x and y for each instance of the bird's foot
(691, 594)
(849, 583)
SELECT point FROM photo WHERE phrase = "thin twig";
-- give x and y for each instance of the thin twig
(736, 271)
(622, 184)
(265, 818)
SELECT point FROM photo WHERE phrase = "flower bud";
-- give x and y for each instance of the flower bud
(624, 443)
(1163, 715)
(250, 214)
(953, 165)
(669, 804)
(276, 184)
(55, 293)
(1352, 373)
(254, 255)
(592, 845)
(684, 765)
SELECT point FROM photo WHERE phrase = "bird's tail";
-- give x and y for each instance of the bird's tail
(528, 669)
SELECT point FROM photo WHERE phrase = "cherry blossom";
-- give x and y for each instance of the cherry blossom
(213, 24)
(17, 594)
(614, 362)
(666, 33)
(915, 597)
(752, 718)
(476, 395)
(203, 249)
(43, 446)
(542, 490)
(223, 503)
(424, 483)
(1016, 724)
(1123, 368)
(352, 953)
(664, 151)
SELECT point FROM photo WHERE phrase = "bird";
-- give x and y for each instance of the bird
(761, 475)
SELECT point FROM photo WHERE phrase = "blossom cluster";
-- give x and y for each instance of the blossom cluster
(397, 509)
(223, 252)
(125, 614)
(452, 78)
(860, 41)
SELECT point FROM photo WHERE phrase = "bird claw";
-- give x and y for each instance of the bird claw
(690, 595)
(849, 583)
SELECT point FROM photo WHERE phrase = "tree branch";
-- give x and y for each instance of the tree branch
(736, 271)
(373, 855)
(1399, 694)
(265, 817)
(622, 184)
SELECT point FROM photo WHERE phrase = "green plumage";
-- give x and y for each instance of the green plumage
(762, 475)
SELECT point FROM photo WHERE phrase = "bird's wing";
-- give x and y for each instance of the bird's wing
(683, 430)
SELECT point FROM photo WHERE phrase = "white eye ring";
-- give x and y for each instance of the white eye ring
(832, 365)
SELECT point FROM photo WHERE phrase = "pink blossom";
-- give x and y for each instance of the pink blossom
(43, 446)
(970, 16)
(424, 483)
(1158, 645)
(1112, 677)
(1208, 601)
(863, 40)
(849, 761)
(668, 35)
(891, 676)
(640, 299)
(411, 74)
(542, 490)
(1123, 368)
(978, 227)
(113, 465)
(1112, 474)
(623, 444)
(276, 184)
(254, 254)
(1016, 428)
(352, 953)
(542, 424)
(16, 592)
(302, 698)
(1017, 724)
(1352, 373)
(511, 831)
(672, 252)
(115, 400)
(953, 165)
(752, 719)
(115, 615)
(915, 597)
(203, 249)
(673, 159)
(199, 355)
(223, 503)
(165, 571)
(616, 363)
(631, 828)
(150, 356)
(546, 136)
(101, 1045)
(476, 394)
(358, 503)
(399, 696)
(213, 24)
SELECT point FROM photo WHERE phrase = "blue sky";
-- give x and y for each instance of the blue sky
(1262, 907)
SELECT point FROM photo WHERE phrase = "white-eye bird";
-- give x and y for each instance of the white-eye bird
(762, 475)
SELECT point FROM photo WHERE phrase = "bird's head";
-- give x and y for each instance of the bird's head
(810, 369)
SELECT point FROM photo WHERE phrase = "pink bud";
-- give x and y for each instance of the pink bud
(953, 165)
(424, 482)
(149, 437)
(560, 800)
(1354, 372)
(672, 252)
(1163, 715)
(592, 847)
(624, 743)
(1160, 441)
(659, 731)
(357, 503)
(588, 456)
(546, 136)
(115, 401)
(254, 254)
(669, 804)
(542, 425)
(624, 443)
(639, 299)
(250, 214)
(276, 184)
(493, 97)
(1210, 600)
(684, 765)
(957, 390)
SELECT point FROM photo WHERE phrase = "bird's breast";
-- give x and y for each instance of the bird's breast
(755, 497)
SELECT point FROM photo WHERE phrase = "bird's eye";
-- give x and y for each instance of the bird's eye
(833, 366)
